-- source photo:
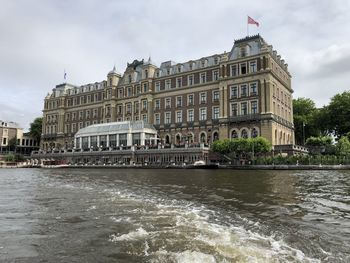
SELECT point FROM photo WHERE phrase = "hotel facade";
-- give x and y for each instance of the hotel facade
(242, 93)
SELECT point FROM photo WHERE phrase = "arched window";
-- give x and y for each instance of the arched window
(244, 133)
(203, 137)
(215, 136)
(255, 133)
(234, 134)
(190, 138)
(178, 138)
(167, 139)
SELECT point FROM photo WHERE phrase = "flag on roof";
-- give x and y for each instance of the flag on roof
(252, 21)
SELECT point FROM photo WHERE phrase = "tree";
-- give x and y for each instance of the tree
(305, 116)
(339, 110)
(343, 146)
(12, 144)
(242, 147)
(35, 129)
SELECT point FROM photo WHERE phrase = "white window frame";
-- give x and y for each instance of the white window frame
(188, 115)
(205, 114)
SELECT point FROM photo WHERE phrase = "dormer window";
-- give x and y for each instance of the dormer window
(179, 69)
(129, 78)
(243, 52)
(168, 71)
(157, 74)
(203, 63)
(146, 74)
(216, 60)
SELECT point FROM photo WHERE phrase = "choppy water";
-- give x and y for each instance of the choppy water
(72, 215)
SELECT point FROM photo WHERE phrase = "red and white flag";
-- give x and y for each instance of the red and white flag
(252, 21)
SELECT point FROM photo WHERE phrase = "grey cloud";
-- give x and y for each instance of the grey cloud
(39, 39)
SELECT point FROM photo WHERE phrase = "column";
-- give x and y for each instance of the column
(81, 142)
(89, 142)
(142, 138)
(117, 140)
(129, 139)
(98, 141)
(107, 142)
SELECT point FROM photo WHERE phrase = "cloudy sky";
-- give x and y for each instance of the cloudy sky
(39, 39)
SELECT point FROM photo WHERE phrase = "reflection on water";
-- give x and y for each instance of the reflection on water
(174, 216)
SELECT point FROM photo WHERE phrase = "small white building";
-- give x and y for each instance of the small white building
(116, 134)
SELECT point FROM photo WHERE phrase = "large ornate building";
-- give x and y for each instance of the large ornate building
(242, 93)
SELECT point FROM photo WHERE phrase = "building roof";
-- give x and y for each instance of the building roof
(115, 127)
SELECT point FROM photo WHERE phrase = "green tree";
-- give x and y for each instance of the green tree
(305, 116)
(12, 143)
(35, 129)
(339, 110)
(343, 147)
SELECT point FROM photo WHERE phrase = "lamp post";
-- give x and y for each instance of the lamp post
(304, 133)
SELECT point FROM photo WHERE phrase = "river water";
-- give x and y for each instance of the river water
(125, 215)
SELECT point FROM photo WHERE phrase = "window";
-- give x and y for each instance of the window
(138, 90)
(179, 69)
(203, 97)
(80, 115)
(168, 84)
(190, 115)
(215, 75)
(216, 95)
(129, 78)
(253, 89)
(167, 102)
(252, 66)
(234, 90)
(203, 114)
(216, 112)
(244, 108)
(94, 113)
(145, 87)
(146, 74)
(144, 105)
(145, 117)
(73, 128)
(243, 52)
(254, 107)
(190, 80)
(216, 60)
(179, 116)
(157, 104)
(203, 63)
(190, 99)
(234, 71)
(244, 90)
(88, 99)
(167, 119)
(157, 74)
(128, 108)
(157, 86)
(234, 134)
(179, 101)
(244, 134)
(120, 93)
(157, 119)
(168, 71)
(243, 68)
(136, 107)
(178, 82)
(234, 109)
(255, 133)
(203, 77)
(120, 109)
(129, 92)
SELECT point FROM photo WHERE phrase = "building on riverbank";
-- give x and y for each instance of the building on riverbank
(13, 139)
(242, 93)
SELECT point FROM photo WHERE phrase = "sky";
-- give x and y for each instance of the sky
(40, 39)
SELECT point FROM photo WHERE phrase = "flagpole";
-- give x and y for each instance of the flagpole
(247, 27)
